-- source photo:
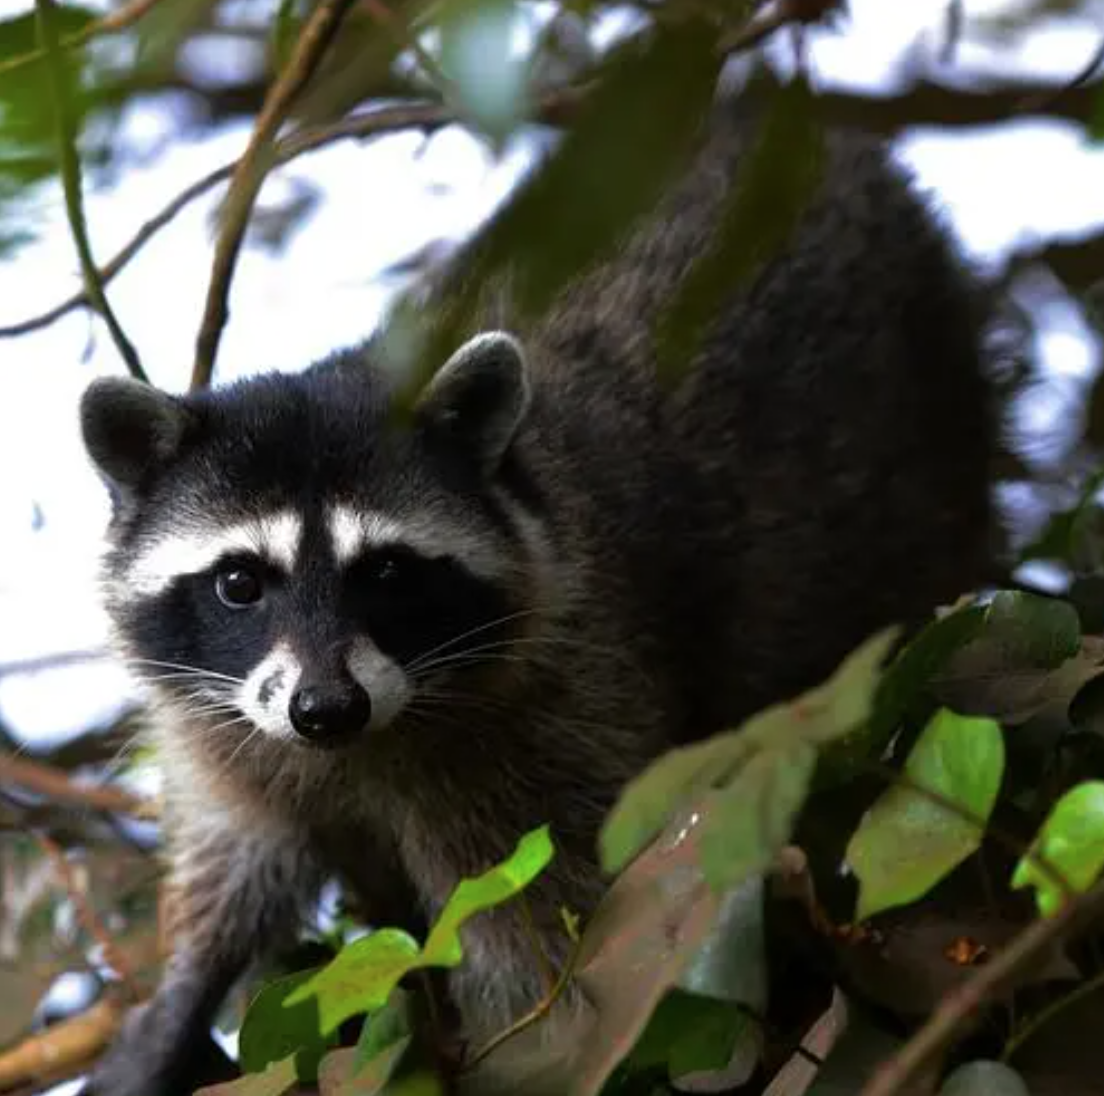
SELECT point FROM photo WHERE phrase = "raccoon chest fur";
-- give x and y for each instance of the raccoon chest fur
(385, 647)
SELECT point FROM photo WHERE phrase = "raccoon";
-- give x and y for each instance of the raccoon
(381, 648)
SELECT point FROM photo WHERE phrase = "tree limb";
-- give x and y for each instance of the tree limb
(948, 1017)
(71, 181)
(249, 175)
(111, 23)
(54, 784)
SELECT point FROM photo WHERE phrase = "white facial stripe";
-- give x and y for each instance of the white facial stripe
(274, 537)
(352, 531)
(266, 692)
(382, 679)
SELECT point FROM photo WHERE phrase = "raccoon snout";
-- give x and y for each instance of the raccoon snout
(325, 713)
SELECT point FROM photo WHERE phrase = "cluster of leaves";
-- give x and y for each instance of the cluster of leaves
(689, 843)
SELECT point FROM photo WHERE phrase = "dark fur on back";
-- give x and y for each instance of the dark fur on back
(666, 559)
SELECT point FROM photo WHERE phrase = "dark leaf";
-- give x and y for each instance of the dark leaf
(774, 186)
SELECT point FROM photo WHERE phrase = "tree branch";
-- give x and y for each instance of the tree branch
(86, 915)
(556, 109)
(54, 784)
(893, 1076)
(111, 23)
(249, 176)
(71, 181)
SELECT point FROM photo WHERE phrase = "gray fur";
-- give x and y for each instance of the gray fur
(684, 555)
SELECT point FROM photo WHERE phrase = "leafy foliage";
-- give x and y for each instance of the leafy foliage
(1070, 843)
(918, 832)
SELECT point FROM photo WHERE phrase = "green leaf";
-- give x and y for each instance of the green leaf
(363, 975)
(271, 1031)
(634, 134)
(984, 1079)
(913, 668)
(360, 978)
(1029, 658)
(1095, 128)
(676, 780)
(687, 1034)
(1042, 631)
(501, 883)
(754, 815)
(383, 1029)
(488, 82)
(1071, 841)
(908, 842)
(777, 179)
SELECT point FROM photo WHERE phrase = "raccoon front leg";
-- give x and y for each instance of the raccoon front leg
(235, 897)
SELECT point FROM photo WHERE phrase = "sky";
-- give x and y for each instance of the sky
(998, 189)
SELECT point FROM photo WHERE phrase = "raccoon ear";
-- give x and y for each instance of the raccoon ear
(130, 429)
(479, 397)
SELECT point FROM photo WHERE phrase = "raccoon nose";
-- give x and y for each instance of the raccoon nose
(330, 711)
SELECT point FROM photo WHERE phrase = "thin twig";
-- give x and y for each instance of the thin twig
(1042, 99)
(406, 37)
(540, 1009)
(86, 915)
(548, 973)
(111, 23)
(71, 181)
(555, 108)
(250, 173)
(1044, 1016)
(946, 1021)
(54, 784)
(784, 13)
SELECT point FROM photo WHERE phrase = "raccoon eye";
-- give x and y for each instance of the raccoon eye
(238, 587)
(383, 567)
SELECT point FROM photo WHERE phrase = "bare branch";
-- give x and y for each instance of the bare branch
(249, 176)
(556, 109)
(63, 1047)
(54, 784)
(111, 23)
(946, 1021)
(71, 181)
(86, 915)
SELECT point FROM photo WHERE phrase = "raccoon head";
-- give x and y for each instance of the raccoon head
(291, 561)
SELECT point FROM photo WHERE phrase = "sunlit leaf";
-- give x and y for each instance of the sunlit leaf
(383, 1029)
(1071, 841)
(754, 815)
(908, 842)
(678, 778)
(360, 978)
(363, 975)
(495, 886)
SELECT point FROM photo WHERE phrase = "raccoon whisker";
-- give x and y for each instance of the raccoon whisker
(183, 667)
(466, 658)
(417, 662)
